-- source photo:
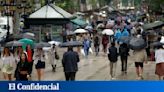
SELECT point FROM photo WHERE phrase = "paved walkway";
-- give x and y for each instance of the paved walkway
(96, 68)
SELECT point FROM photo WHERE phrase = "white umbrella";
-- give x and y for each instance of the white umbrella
(31, 34)
(54, 42)
(108, 32)
(80, 31)
(101, 25)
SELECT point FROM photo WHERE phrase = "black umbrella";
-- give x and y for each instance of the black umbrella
(137, 44)
(156, 44)
(71, 43)
(14, 44)
(42, 44)
(153, 25)
(125, 39)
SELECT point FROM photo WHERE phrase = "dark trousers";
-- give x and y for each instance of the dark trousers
(30, 67)
(124, 63)
(70, 76)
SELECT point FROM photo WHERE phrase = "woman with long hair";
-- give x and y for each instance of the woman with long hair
(22, 70)
(39, 61)
(7, 64)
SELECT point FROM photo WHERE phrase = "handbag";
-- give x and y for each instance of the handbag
(56, 56)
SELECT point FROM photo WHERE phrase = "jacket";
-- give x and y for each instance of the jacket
(140, 55)
(113, 55)
(69, 61)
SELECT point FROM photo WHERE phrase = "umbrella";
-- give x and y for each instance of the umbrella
(156, 44)
(89, 27)
(42, 44)
(125, 39)
(71, 43)
(108, 32)
(28, 33)
(153, 25)
(79, 22)
(28, 36)
(14, 44)
(137, 43)
(80, 31)
(101, 25)
(54, 42)
(27, 41)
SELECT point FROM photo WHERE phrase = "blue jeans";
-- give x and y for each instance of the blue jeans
(86, 51)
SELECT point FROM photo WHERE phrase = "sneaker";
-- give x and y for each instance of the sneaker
(113, 78)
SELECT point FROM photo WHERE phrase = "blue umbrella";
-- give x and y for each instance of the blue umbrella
(71, 43)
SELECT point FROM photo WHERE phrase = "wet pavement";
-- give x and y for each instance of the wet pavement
(96, 68)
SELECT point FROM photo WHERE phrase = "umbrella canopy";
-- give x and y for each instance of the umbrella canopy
(80, 31)
(137, 43)
(54, 42)
(28, 33)
(79, 22)
(101, 25)
(124, 39)
(42, 44)
(108, 32)
(14, 44)
(27, 42)
(153, 25)
(89, 27)
(28, 36)
(156, 44)
(71, 43)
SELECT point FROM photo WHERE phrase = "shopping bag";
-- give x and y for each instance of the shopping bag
(90, 50)
(82, 52)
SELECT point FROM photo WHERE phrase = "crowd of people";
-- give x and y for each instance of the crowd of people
(19, 62)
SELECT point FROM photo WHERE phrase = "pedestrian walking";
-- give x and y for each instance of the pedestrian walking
(30, 53)
(140, 57)
(105, 41)
(124, 52)
(86, 46)
(70, 64)
(113, 57)
(39, 61)
(159, 57)
(8, 63)
(54, 57)
(23, 71)
(97, 44)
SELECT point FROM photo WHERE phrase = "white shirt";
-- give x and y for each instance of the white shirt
(159, 56)
(9, 60)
